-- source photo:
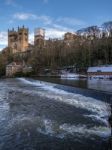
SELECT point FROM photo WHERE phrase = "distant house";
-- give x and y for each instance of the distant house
(102, 71)
(16, 67)
(13, 68)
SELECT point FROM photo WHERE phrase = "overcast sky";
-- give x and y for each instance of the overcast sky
(56, 16)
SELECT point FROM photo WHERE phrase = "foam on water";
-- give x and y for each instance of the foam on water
(44, 85)
(83, 130)
(4, 107)
(53, 128)
(96, 117)
(97, 108)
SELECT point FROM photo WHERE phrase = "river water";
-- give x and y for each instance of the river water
(37, 115)
(95, 84)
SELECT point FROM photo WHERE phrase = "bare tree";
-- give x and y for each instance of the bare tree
(107, 26)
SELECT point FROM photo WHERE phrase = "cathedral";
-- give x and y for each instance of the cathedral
(18, 40)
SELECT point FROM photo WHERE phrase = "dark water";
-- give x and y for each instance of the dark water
(96, 84)
(36, 115)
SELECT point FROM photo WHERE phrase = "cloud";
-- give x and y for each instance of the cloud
(70, 21)
(24, 16)
(31, 38)
(54, 33)
(47, 20)
(62, 28)
(2, 47)
(3, 40)
(28, 16)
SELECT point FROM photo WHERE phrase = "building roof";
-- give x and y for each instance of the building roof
(100, 69)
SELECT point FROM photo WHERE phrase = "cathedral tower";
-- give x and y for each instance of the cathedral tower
(39, 37)
(22, 39)
(12, 40)
(18, 40)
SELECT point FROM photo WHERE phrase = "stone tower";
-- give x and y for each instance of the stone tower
(18, 40)
(39, 37)
(13, 40)
(22, 39)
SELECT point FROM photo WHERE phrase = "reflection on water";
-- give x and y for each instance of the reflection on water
(97, 84)
(37, 115)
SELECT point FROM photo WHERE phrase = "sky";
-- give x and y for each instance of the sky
(55, 16)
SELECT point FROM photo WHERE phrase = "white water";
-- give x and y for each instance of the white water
(4, 107)
(53, 128)
(98, 111)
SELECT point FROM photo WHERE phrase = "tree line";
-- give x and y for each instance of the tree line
(92, 48)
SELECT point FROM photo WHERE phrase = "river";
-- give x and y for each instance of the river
(40, 115)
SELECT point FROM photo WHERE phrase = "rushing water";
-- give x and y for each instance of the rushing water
(36, 115)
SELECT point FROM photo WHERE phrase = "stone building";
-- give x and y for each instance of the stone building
(69, 38)
(18, 40)
(39, 37)
(13, 68)
(17, 67)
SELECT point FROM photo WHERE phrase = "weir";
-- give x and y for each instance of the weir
(51, 113)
